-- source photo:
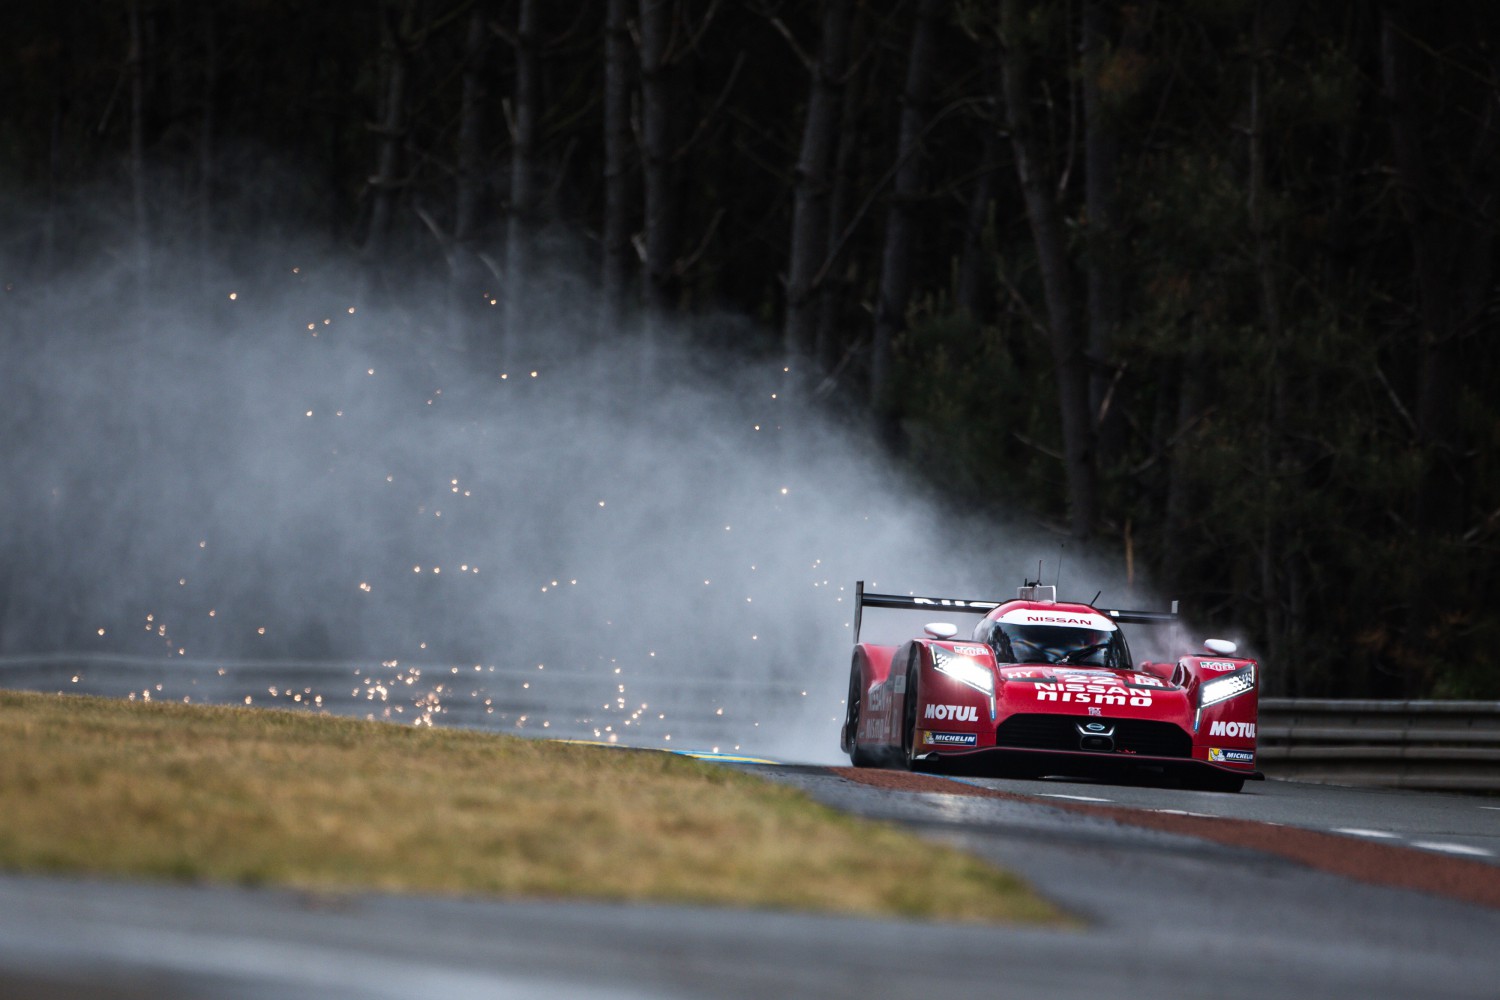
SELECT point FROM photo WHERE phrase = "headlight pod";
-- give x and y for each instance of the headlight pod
(964, 670)
(1226, 687)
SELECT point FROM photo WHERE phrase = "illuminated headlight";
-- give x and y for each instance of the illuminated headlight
(1230, 686)
(965, 671)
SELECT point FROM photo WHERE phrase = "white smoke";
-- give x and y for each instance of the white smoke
(274, 466)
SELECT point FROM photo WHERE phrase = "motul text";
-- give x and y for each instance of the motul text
(1246, 729)
(953, 713)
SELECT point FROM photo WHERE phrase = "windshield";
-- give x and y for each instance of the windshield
(1056, 644)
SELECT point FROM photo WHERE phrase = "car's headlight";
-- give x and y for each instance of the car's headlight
(1226, 687)
(964, 670)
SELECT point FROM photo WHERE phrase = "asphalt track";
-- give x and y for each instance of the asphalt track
(1161, 914)
(1460, 826)
(1167, 904)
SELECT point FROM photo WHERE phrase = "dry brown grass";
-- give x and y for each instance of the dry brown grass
(253, 796)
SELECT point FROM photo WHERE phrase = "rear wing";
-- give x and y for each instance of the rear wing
(905, 602)
(1145, 617)
(863, 600)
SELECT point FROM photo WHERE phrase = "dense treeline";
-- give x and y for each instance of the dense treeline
(1208, 285)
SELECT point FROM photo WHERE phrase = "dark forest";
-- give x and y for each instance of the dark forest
(1204, 287)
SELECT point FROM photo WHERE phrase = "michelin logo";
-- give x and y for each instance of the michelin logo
(949, 739)
(1241, 729)
(1230, 756)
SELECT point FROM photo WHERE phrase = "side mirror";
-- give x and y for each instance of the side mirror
(940, 630)
(1221, 646)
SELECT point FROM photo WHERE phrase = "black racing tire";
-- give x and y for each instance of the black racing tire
(909, 717)
(858, 756)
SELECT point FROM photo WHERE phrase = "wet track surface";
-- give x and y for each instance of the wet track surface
(1452, 825)
(1161, 913)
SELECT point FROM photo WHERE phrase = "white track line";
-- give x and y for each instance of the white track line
(1446, 848)
(1355, 831)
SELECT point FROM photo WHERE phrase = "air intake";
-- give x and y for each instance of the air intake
(1096, 736)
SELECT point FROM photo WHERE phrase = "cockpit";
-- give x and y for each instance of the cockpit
(1061, 644)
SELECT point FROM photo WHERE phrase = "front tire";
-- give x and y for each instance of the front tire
(909, 748)
(858, 756)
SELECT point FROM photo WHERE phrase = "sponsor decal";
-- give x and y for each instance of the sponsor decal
(880, 698)
(1087, 677)
(971, 650)
(1218, 665)
(1037, 619)
(952, 713)
(1245, 730)
(1219, 756)
(899, 683)
(1093, 694)
(1142, 684)
(1095, 711)
(932, 738)
(1072, 619)
(945, 603)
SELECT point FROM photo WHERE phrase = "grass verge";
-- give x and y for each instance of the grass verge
(253, 796)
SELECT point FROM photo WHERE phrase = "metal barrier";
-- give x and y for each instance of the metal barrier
(1451, 745)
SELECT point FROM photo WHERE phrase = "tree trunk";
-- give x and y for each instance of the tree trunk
(391, 130)
(136, 69)
(470, 150)
(1274, 543)
(1175, 417)
(829, 299)
(1069, 359)
(813, 186)
(62, 83)
(972, 295)
(901, 224)
(464, 302)
(1436, 242)
(660, 127)
(1104, 262)
(616, 269)
(206, 126)
(521, 223)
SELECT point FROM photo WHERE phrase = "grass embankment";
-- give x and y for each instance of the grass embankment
(251, 796)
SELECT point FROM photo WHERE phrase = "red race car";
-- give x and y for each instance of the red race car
(1048, 688)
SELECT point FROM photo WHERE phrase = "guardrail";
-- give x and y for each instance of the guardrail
(1450, 745)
